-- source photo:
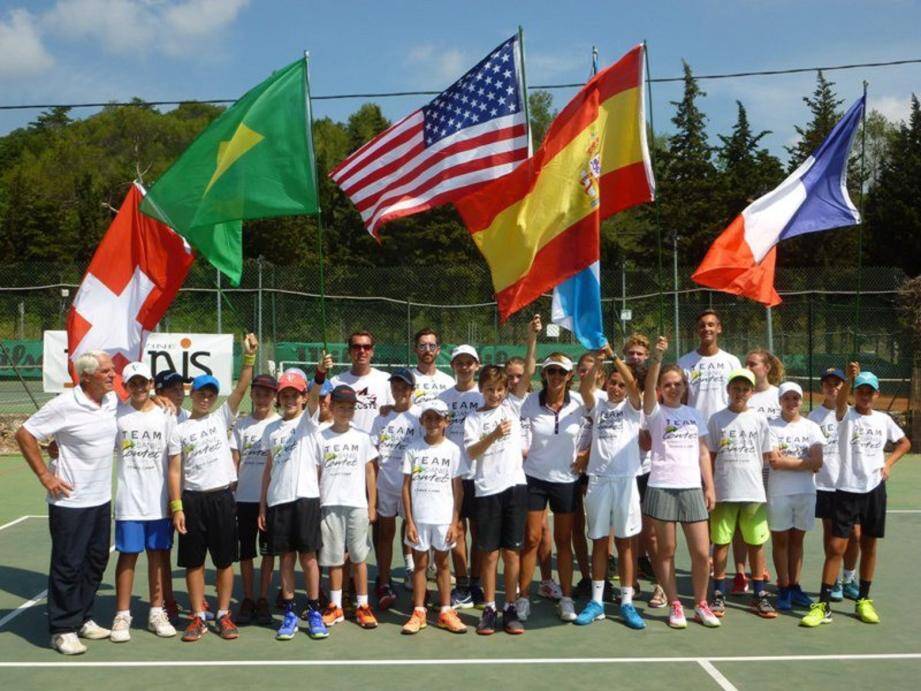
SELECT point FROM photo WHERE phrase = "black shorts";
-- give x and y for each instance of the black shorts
(824, 504)
(248, 531)
(867, 509)
(642, 481)
(501, 518)
(467, 507)
(294, 526)
(563, 497)
(211, 527)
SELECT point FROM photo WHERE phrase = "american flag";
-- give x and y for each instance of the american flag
(471, 133)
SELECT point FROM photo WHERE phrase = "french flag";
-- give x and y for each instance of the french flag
(577, 307)
(814, 198)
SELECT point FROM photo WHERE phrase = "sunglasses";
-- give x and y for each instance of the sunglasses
(555, 371)
(427, 346)
(361, 346)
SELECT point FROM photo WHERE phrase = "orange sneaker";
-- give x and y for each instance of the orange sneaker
(449, 621)
(415, 623)
(333, 615)
(365, 617)
(195, 630)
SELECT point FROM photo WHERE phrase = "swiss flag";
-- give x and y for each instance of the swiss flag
(135, 273)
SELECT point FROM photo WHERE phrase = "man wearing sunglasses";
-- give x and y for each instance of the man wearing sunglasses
(430, 381)
(371, 385)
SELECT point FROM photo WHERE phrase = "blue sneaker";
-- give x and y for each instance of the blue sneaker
(315, 627)
(591, 612)
(461, 598)
(837, 592)
(784, 601)
(288, 628)
(479, 599)
(800, 599)
(851, 590)
(631, 617)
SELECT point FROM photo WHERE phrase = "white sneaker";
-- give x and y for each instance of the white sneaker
(567, 609)
(67, 644)
(121, 629)
(523, 607)
(93, 631)
(676, 618)
(704, 615)
(159, 624)
(550, 590)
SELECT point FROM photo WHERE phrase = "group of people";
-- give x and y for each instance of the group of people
(322, 467)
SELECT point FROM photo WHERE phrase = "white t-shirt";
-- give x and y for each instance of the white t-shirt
(85, 433)
(372, 390)
(182, 415)
(707, 379)
(429, 386)
(392, 434)
(827, 476)
(142, 463)
(615, 429)
(460, 404)
(861, 449)
(296, 452)
(553, 438)
(433, 469)
(342, 472)
(739, 441)
(766, 402)
(793, 439)
(205, 448)
(676, 435)
(247, 439)
(500, 466)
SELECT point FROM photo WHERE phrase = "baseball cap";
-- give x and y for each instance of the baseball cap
(436, 405)
(203, 380)
(265, 380)
(867, 379)
(136, 369)
(297, 370)
(403, 375)
(292, 380)
(344, 393)
(565, 363)
(325, 390)
(832, 372)
(465, 350)
(166, 378)
(741, 373)
(789, 386)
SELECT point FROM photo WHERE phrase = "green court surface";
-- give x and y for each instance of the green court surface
(745, 653)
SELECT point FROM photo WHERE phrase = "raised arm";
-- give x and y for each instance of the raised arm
(633, 389)
(853, 369)
(313, 396)
(652, 375)
(530, 358)
(587, 383)
(250, 346)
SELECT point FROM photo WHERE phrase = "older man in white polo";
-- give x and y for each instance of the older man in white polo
(79, 485)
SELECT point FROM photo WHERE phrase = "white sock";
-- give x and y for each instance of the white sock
(361, 600)
(123, 612)
(155, 611)
(598, 591)
(200, 615)
(222, 612)
(336, 597)
(446, 608)
(410, 564)
(626, 595)
(547, 582)
(849, 575)
(487, 605)
(507, 605)
(422, 610)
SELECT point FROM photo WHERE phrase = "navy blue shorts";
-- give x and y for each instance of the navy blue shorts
(134, 537)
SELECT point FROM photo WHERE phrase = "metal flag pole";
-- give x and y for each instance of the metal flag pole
(655, 201)
(316, 191)
(863, 158)
(524, 90)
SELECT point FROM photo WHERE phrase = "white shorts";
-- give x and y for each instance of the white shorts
(613, 503)
(431, 536)
(791, 511)
(389, 504)
(343, 528)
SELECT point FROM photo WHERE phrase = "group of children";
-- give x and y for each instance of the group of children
(323, 466)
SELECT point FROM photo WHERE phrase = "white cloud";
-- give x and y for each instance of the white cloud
(894, 108)
(436, 67)
(22, 53)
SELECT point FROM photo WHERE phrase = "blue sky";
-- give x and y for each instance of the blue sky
(55, 51)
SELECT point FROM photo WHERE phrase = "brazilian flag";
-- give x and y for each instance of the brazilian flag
(255, 161)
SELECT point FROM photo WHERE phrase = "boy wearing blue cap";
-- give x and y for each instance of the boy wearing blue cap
(201, 474)
(860, 491)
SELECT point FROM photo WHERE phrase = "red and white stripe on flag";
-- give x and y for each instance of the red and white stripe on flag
(134, 275)
(473, 132)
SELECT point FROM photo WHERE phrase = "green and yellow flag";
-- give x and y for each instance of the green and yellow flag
(255, 161)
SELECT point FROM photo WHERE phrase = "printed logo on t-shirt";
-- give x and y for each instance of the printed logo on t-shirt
(610, 423)
(679, 428)
(459, 411)
(341, 456)
(867, 438)
(795, 445)
(739, 441)
(707, 376)
(366, 400)
(143, 449)
(281, 449)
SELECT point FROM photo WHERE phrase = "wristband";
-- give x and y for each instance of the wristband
(175, 505)
(249, 359)
(319, 377)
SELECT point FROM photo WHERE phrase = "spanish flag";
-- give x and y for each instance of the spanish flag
(540, 224)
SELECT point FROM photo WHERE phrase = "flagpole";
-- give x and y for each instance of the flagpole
(316, 182)
(655, 201)
(863, 158)
(524, 88)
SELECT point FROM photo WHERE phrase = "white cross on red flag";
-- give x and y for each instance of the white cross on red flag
(131, 281)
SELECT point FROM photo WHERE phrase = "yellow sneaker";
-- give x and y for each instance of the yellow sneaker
(415, 623)
(866, 612)
(817, 615)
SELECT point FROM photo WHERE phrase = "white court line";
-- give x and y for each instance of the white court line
(20, 520)
(718, 677)
(903, 511)
(456, 662)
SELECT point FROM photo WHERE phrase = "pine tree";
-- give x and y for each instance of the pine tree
(748, 171)
(825, 114)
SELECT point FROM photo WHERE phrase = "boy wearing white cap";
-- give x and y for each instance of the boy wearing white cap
(432, 496)
(791, 492)
(141, 519)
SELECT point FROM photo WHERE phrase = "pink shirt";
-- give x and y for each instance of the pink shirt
(676, 435)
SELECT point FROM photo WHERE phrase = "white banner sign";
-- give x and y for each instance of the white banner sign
(188, 354)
